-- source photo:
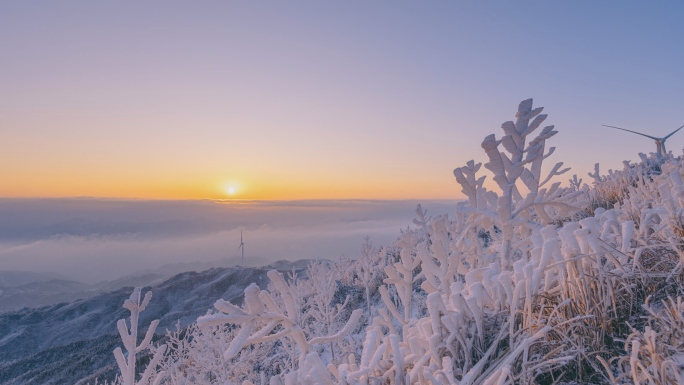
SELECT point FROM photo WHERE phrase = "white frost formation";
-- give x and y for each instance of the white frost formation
(528, 284)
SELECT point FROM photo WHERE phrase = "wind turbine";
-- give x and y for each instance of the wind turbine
(660, 142)
(242, 246)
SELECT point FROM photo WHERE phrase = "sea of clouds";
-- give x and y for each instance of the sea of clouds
(91, 240)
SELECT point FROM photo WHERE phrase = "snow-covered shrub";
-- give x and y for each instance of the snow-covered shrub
(196, 356)
(370, 264)
(531, 283)
(264, 320)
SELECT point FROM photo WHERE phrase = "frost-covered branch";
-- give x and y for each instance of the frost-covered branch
(129, 336)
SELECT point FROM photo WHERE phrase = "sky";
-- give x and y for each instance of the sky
(319, 100)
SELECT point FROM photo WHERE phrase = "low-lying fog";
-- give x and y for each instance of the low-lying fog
(91, 240)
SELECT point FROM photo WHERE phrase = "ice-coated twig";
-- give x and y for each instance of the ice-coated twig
(129, 336)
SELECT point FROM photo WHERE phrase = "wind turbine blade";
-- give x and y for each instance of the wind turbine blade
(634, 132)
(673, 132)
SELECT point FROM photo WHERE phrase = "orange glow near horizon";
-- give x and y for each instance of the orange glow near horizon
(113, 187)
(193, 168)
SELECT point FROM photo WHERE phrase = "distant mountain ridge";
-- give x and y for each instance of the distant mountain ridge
(9, 278)
(19, 289)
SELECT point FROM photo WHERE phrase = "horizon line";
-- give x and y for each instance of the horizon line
(224, 200)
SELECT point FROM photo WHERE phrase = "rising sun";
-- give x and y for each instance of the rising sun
(232, 188)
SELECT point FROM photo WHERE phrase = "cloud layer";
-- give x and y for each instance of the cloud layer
(97, 239)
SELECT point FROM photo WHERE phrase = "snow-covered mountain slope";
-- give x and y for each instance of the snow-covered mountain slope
(64, 342)
(66, 364)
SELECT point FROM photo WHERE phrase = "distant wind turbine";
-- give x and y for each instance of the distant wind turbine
(242, 246)
(660, 142)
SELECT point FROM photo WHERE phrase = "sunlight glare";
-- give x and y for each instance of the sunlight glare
(230, 187)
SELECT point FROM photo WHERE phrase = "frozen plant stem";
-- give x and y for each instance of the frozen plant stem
(130, 340)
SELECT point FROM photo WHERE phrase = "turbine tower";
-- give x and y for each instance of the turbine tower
(660, 142)
(242, 247)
